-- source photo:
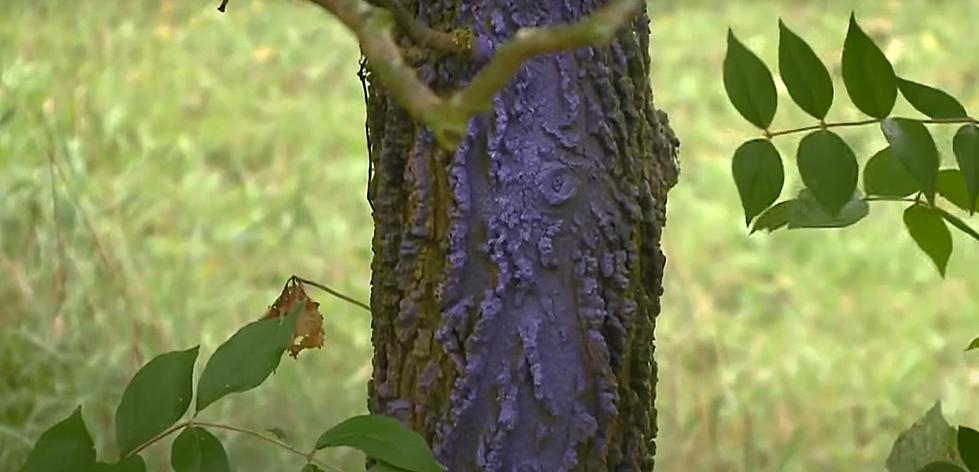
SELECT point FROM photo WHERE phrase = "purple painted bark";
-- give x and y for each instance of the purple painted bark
(516, 282)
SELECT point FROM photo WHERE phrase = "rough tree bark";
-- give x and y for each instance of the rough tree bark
(516, 282)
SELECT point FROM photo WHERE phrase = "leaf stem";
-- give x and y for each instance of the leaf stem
(847, 124)
(158, 437)
(335, 293)
(306, 455)
(194, 422)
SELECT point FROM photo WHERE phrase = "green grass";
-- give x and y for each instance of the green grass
(166, 168)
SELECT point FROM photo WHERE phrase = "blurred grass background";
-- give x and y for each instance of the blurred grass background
(164, 168)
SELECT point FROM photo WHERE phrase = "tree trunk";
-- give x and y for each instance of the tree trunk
(516, 282)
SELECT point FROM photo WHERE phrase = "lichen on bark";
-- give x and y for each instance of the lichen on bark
(516, 281)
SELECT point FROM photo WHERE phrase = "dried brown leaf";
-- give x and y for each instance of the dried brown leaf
(309, 328)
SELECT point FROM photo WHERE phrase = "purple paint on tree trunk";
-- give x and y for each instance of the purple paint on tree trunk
(517, 281)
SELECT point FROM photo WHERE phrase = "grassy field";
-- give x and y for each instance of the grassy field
(165, 169)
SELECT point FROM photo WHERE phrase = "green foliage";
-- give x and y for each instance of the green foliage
(758, 173)
(803, 74)
(775, 217)
(749, 83)
(931, 101)
(807, 212)
(197, 450)
(155, 399)
(968, 445)
(829, 169)
(885, 176)
(928, 229)
(160, 392)
(129, 464)
(930, 439)
(942, 466)
(867, 74)
(65, 447)
(966, 148)
(247, 359)
(383, 439)
(827, 164)
(912, 145)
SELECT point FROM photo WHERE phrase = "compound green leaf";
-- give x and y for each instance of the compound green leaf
(966, 148)
(806, 212)
(867, 74)
(973, 345)
(156, 397)
(968, 441)
(384, 439)
(129, 464)
(927, 227)
(65, 447)
(885, 176)
(773, 218)
(197, 450)
(247, 359)
(829, 169)
(749, 84)
(804, 75)
(758, 174)
(311, 468)
(913, 146)
(929, 439)
(931, 101)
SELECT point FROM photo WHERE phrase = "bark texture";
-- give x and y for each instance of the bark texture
(516, 282)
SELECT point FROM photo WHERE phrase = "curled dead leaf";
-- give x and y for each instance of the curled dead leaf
(309, 328)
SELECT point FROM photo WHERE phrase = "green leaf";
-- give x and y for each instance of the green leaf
(804, 75)
(973, 345)
(867, 74)
(968, 441)
(774, 218)
(758, 174)
(384, 439)
(966, 148)
(913, 146)
(247, 359)
(129, 464)
(929, 232)
(749, 84)
(66, 446)
(885, 176)
(958, 223)
(931, 101)
(828, 168)
(311, 468)
(156, 397)
(806, 212)
(197, 450)
(951, 185)
(930, 439)
(942, 466)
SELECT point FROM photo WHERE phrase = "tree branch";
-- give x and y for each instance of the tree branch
(447, 118)
(453, 43)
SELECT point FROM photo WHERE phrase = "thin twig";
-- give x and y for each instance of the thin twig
(844, 124)
(333, 292)
(305, 455)
(158, 437)
(453, 43)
